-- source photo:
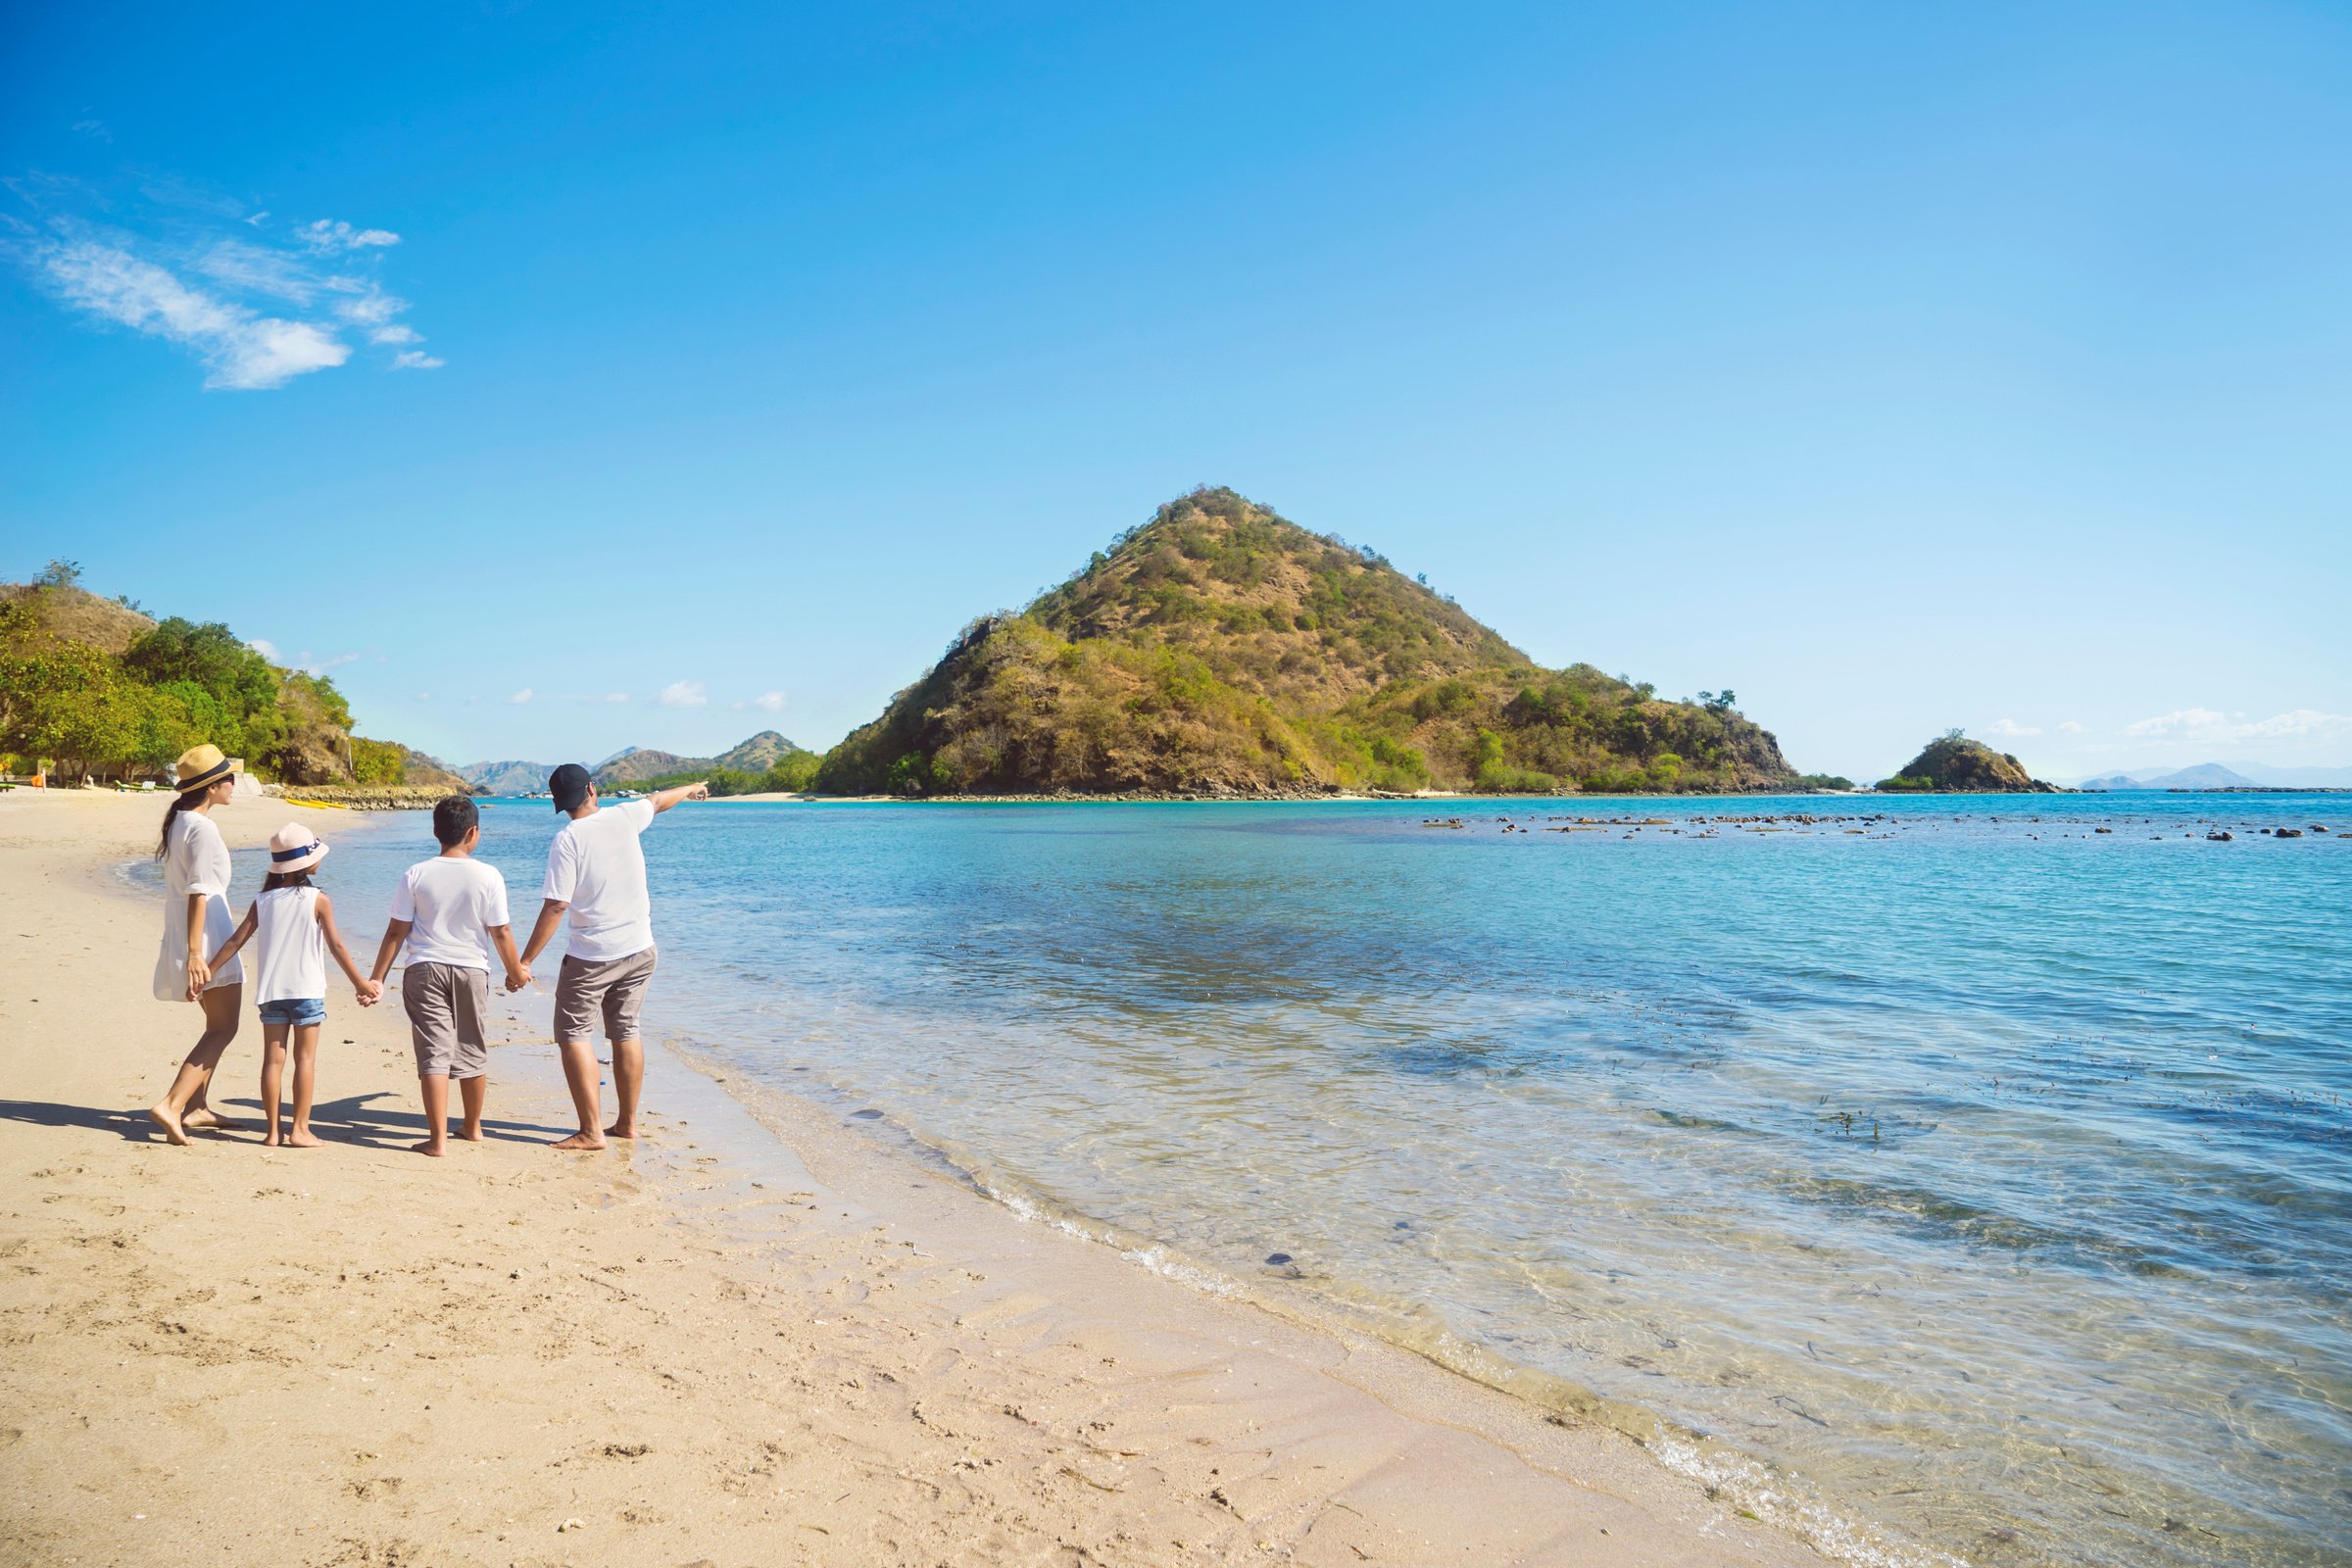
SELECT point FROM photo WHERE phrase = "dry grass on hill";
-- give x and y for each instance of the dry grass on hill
(1222, 648)
(65, 614)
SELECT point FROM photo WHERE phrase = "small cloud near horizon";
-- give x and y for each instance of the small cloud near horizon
(765, 702)
(614, 697)
(685, 694)
(520, 697)
(2213, 727)
(425, 696)
(2070, 727)
(2011, 730)
(263, 647)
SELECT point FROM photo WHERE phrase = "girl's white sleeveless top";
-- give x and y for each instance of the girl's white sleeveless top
(195, 861)
(293, 962)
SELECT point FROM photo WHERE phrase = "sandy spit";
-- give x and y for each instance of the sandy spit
(743, 1342)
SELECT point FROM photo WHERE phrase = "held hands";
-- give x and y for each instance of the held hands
(369, 992)
(200, 975)
(518, 979)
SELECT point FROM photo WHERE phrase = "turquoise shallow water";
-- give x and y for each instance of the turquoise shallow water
(1976, 1183)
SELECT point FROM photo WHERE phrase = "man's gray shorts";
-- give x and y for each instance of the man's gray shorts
(446, 1005)
(612, 986)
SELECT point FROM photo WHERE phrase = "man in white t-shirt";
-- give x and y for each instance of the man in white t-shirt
(450, 915)
(596, 874)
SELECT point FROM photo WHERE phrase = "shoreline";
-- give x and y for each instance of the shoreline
(820, 1364)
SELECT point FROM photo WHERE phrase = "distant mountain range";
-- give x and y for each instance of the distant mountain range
(2215, 776)
(506, 778)
(637, 764)
(630, 766)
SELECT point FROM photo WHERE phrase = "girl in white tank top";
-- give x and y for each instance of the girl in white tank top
(292, 926)
(292, 944)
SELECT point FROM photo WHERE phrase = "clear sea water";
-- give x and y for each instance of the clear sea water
(1976, 1185)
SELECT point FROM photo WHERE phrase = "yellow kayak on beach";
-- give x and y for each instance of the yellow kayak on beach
(324, 805)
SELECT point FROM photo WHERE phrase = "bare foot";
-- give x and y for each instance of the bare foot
(270, 1142)
(580, 1141)
(305, 1139)
(626, 1130)
(473, 1135)
(203, 1116)
(162, 1116)
(431, 1146)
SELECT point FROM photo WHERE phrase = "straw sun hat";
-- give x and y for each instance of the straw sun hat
(295, 848)
(201, 769)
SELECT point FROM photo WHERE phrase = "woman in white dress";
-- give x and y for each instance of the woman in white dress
(197, 921)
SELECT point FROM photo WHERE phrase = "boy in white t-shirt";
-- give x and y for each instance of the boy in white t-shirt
(451, 912)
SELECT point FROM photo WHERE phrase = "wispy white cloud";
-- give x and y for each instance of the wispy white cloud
(329, 236)
(193, 267)
(2070, 727)
(263, 647)
(685, 694)
(520, 697)
(244, 349)
(2181, 721)
(368, 306)
(311, 665)
(257, 269)
(616, 696)
(2210, 725)
(2010, 730)
(425, 696)
(765, 702)
(95, 129)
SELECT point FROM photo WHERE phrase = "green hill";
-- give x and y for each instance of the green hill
(96, 687)
(757, 757)
(767, 762)
(1221, 649)
(1956, 765)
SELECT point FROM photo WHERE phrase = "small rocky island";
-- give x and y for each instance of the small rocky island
(1955, 764)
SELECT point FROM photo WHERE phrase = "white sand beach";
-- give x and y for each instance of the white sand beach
(752, 1338)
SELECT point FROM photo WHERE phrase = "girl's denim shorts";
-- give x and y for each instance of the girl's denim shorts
(296, 1010)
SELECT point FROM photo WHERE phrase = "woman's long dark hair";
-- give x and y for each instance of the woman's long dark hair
(286, 879)
(184, 802)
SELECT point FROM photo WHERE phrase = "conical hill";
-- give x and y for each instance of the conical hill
(1221, 649)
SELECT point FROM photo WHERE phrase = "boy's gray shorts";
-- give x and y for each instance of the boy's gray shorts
(446, 1005)
(610, 988)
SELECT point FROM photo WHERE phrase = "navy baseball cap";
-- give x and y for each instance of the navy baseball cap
(568, 784)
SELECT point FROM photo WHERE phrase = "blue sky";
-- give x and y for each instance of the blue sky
(703, 369)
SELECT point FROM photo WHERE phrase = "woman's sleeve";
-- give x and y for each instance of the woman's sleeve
(205, 858)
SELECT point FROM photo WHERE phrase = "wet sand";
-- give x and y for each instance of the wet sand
(752, 1338)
